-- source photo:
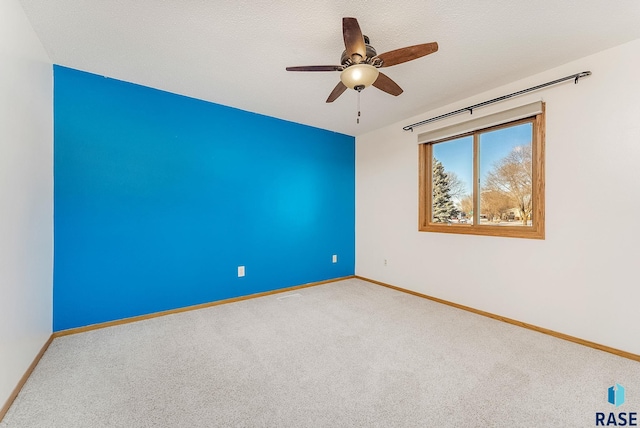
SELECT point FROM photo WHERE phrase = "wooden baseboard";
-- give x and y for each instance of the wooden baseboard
(23, 380)
(191, 308)
(563, 336)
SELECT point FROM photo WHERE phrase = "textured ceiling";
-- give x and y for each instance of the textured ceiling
(235, 52)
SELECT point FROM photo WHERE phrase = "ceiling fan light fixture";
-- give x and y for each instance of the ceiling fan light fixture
(359, 76)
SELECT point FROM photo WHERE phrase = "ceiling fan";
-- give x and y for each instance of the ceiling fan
(360, 62)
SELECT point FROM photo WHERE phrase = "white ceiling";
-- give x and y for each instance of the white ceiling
(235, 52)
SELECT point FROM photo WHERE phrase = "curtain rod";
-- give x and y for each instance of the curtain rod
(470, 109)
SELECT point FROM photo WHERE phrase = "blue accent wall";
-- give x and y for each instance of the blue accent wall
(158, 198)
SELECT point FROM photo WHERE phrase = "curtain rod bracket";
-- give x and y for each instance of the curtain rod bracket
(579, 75)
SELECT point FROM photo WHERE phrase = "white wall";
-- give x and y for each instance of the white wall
(26, 195)
(583, 279)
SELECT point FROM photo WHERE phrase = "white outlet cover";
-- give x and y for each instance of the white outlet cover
(240, 271)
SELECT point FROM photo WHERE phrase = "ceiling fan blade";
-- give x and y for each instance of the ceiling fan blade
(337, 91)
(384, 83)
(316, 68)
(353, 39)
(409, 53)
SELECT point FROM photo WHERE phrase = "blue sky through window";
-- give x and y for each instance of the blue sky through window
(457, 155)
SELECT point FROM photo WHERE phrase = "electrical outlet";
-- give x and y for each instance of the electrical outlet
(240, 271)
(334, 259)
(385, 262)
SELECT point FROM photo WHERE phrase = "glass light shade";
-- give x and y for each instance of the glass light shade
(359, 75)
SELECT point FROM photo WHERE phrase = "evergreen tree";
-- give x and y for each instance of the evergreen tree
(443, 206)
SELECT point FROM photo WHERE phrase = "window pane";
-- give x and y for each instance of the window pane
(452, 181)
(506, 176)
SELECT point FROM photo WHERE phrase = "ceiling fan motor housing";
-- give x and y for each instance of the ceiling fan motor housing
(346, 61)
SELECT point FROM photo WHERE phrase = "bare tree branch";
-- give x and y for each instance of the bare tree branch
(511, 179)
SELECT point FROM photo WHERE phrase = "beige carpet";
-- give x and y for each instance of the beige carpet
(345, 354)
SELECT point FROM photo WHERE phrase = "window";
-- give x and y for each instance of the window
(483, 178)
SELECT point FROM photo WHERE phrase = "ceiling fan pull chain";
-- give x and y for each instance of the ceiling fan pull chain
(358, 119)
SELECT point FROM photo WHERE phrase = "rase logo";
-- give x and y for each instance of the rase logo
(615, 397)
